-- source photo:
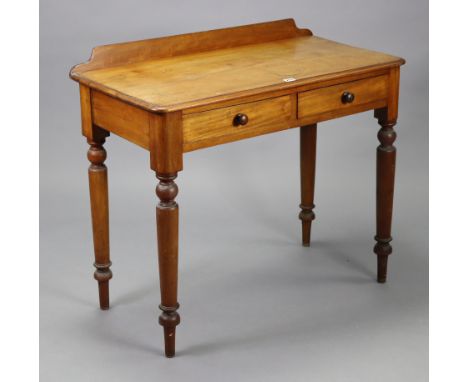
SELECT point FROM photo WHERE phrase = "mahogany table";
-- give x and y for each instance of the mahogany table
(176, 94)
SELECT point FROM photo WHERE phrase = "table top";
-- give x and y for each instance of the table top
(179, 80)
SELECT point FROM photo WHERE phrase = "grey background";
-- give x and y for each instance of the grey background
(255, 304)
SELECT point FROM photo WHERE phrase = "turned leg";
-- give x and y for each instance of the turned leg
(386, 156)
(308, 153)
(167, 218)
(100, 217)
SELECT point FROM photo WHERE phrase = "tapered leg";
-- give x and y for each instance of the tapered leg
(308, 154)
(167, 218)
(100, 217)
(386, 156)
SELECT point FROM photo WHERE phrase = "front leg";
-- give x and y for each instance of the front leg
(167, 219)
(100, 215)
(386, 157)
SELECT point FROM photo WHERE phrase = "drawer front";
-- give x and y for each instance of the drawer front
(213, 127)
(342, 99)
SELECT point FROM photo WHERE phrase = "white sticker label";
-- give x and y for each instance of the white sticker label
(289, 79)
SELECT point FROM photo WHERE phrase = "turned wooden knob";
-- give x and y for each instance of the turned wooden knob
(240, 119)
(347, 97)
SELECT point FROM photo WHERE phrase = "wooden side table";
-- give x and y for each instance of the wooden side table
(181, 93)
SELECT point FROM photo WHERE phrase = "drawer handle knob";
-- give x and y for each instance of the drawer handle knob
(240, 119)
(347, 97)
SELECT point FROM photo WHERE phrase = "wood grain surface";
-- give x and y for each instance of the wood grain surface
(328, 99)
(216, 126)
(128, 122)
(192, 78)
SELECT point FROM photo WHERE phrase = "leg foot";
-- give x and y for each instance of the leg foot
(102, 275)
(382, 249)
(306, 215)
(169, 319)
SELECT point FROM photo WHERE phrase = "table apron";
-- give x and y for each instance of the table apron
(217, 126)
